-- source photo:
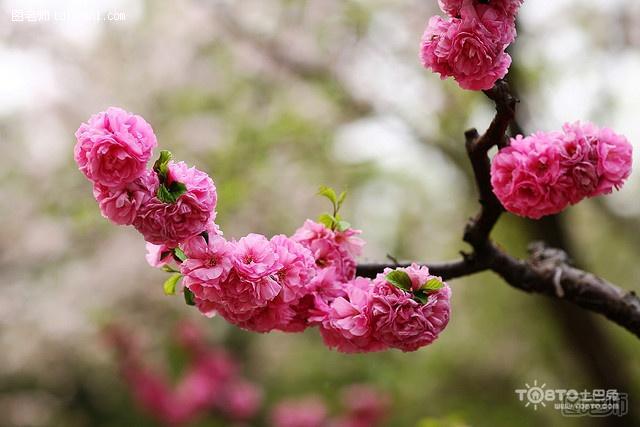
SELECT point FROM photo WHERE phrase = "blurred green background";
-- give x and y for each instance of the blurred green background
(273, 98)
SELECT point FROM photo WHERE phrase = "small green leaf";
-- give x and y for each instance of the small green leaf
(400, 279)
(164, 195)
(161, 166)
(171, 193)
(341, 198)
(421, 297)
(189, 298)
(329, 193)
(171, 283)
(343, 226)
(327, 220)
(169, 269)
(177, 189)
(180, 254)
(432, 285)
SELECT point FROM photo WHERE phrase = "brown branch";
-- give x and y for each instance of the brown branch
(468, 265)
(544, 274)
(547, 271)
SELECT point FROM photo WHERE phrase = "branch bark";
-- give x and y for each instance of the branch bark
(547, 271)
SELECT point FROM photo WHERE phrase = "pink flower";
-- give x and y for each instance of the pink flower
(526, 176)
(347, 324)
(275, 315)
(365, 406)
(615, 158)
(241, 400)
(297, 267)
(543, 173)
(205, 379)
(330, 250)
(294, 276)
(158, 255)
(121, 204)
(350, 242)
(237, 299)
(307, 412)
(208, 264)
(113, 147)
(507, 7)
(400, 321)
(255, 257)
(172, 223)
(469, 49)
(153, 394)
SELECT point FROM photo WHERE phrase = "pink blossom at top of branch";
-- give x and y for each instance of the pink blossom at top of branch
(543, 173)
(507, 7)
(470, 47)
(113, 147)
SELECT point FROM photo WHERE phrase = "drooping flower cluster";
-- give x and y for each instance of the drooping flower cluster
(166, 204)
(470, 44)
(259, 284)
(211, 381)
(544, 173)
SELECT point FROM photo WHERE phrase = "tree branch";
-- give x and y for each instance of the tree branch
(548, 271)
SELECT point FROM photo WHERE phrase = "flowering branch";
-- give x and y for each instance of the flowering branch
(548, 271)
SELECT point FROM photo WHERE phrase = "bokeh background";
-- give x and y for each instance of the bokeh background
(274, 98)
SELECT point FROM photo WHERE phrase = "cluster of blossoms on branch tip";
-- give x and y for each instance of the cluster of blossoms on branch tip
(543, 173)
(470, 44)
(286, 283)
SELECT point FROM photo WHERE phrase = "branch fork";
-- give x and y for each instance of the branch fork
(547, 271)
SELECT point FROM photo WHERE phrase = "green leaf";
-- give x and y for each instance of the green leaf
(164, 195)
(400, 279)
(171, 283)
(180, 254)
(189, 298)
(329, 193)
(432, 285)
(161, 166)
(327, 220)
(421, 297)
(343, 226)
(169, 269)
(341, 198)
(171, 193)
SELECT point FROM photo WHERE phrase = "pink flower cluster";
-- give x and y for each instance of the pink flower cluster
(372, 315)
(291, 283)
(470, 45)
(544, 173)
(210, 382)
(258, 284)
(112, 150)
(364, 406)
